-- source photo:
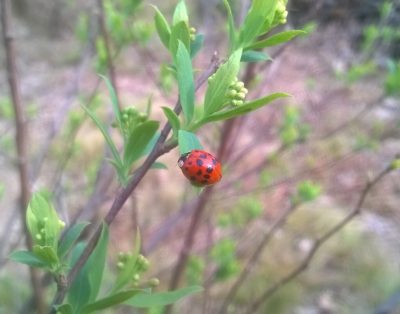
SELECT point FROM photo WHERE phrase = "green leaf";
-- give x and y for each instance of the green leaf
(146, 300)
(110, 301)
(162, 26)
(138, 140)
(185, 81)
(27, 258)
(70, 238)
(196, 45)
(259, 12)
(276, 39)
(107, 137)
(188, 141)
(180, 13)
(85, 288)
(114, 99)
(216, 95)
(254, 56)
(231, 25)
(243, 109)
(64, 309)
(47, 254)
(173, 120)
(158, 165)
(179, 32)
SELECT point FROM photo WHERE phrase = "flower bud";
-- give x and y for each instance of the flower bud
(154, 282)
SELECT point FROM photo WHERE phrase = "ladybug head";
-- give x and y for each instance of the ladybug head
(182, 159)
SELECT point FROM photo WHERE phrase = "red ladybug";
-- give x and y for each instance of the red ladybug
(200, 167)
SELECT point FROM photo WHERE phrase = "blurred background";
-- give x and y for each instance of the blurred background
(341, 127)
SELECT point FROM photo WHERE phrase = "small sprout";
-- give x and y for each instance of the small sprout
(307, 191)
(61, 223)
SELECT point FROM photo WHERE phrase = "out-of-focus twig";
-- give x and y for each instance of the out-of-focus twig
(319, 242)
(107, 45)
(256, 255)
(20, 141)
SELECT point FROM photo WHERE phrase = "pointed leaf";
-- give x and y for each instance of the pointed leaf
(110, 301)
(185, 81)
(196, 45)
(188, 141)
(259, 12)
(179, 32)
(173, 120)
(114, 99)
(276, 39)
(146, 300)
(162, 26)
(243, 109)
(254, 56)
(138, 141)
(231, 25)
(86, 286)
(27, 258)
(70, 238)
(180, 13)
(216, 95)
(106, 136)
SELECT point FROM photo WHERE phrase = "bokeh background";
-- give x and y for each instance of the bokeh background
(341, 127)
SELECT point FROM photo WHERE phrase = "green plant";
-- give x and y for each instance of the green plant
(78, 267)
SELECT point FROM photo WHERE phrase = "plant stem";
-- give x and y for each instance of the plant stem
(318, 243)
(21, 143)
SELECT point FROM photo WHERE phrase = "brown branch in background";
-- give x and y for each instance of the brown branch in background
(256, 256)
(159, 149)
(21, 142)
(318, 243)
(107, 45)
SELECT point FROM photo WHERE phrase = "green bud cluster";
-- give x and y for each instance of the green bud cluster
(237, 93)
(192, 33)
(130, 118)
(135, 266)
(281, 13)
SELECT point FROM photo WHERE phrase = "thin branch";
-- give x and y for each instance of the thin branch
(256, 256)
(253, 308)
(21, 142)
(159, 149)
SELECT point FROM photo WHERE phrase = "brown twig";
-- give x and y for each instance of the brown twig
(21, 142)
(159, 149)
(253, 308)
(255, 256)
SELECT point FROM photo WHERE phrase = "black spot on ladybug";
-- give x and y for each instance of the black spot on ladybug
(203, 156)
(187, 168)
(199, 162)
(209, 169)
(199, 173)
(214, 161)
(204, 181)
(206, 176)
(192, 178)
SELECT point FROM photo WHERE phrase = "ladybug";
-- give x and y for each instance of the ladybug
(200, 167)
